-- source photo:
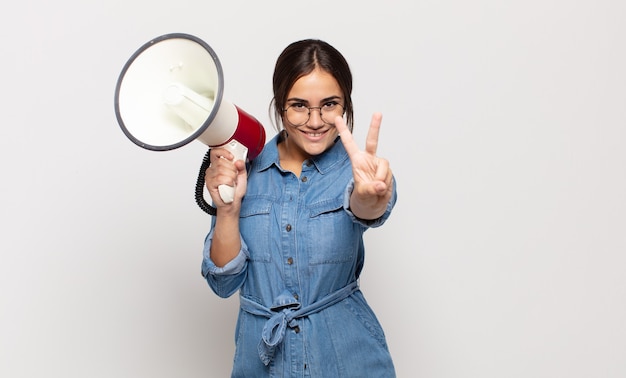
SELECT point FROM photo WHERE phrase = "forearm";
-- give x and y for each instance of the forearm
(226, 242)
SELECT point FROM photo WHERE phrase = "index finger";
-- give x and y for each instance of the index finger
(371, 142)
(346, 136)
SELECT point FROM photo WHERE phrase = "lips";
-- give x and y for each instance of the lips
(316, 134)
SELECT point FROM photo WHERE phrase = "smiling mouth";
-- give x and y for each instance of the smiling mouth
(315, 134)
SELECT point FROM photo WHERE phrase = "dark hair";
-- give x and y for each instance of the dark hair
(300, 59)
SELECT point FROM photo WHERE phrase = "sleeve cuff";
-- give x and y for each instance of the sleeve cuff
(368, 222)
(234, 266)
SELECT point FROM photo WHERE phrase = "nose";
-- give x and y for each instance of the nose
(315, 117)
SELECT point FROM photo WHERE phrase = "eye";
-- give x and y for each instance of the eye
(298, 107)
(330, 105)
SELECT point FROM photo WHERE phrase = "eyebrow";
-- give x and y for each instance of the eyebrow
(296, 99)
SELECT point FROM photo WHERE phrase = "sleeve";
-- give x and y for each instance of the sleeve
(226, 280)
(369, 222)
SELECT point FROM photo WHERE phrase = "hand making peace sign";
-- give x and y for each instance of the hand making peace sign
(373, 180)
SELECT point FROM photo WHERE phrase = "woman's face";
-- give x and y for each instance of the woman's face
(319, 90)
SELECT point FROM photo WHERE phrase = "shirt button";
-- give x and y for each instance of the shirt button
(305, 179)
(288, 228)
(296, 297)
(290, 261)
(296, 329)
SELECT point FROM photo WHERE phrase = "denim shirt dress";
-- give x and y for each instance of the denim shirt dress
(301, 311)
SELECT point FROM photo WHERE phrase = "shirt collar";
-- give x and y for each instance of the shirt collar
(324, 162)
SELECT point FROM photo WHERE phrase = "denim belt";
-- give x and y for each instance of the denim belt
(275, 328)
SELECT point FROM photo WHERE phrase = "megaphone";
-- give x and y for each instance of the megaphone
(169, 93)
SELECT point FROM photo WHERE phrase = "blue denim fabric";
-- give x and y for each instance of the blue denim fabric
(297, 273)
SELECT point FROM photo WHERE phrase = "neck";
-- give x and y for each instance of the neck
(290, 158)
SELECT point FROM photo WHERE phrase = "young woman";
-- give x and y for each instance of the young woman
(291, 242)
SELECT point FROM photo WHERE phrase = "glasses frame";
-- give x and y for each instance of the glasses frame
(308, 117)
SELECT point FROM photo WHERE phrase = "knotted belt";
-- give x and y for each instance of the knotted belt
(282, 316)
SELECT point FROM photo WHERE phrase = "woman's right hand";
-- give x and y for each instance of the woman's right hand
(224, 171)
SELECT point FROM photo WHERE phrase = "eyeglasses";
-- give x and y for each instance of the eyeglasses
(298, 114)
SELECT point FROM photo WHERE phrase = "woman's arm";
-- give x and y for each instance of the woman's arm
(373, 180)
(224, 171)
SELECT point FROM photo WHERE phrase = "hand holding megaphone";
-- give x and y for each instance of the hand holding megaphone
(239, 151)
(170, 93)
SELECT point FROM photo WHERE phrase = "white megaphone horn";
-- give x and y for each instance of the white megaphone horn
(170, 93)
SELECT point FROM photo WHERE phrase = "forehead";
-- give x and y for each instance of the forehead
(316, 85)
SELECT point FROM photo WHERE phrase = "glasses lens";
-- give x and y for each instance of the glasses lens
(298, 114)
(330, 111)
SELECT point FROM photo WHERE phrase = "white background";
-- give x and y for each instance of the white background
(505, 125)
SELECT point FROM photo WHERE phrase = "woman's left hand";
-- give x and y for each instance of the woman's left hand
(373, 180)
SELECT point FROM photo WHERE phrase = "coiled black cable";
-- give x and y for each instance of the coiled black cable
(200, 186)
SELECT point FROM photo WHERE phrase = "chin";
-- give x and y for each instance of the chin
(318, 149)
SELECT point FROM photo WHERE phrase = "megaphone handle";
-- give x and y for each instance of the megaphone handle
(227, 193)
(241, 153)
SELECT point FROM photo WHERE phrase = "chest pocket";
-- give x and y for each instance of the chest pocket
(331, 233)
(255, 227)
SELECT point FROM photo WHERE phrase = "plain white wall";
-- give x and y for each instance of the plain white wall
(505, 124)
